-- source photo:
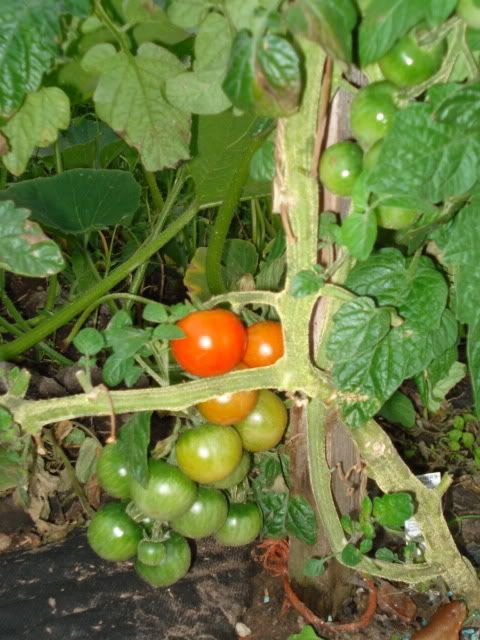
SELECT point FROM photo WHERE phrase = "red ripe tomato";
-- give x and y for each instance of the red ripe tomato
(214, 342)
(228, 408)
(264, 344)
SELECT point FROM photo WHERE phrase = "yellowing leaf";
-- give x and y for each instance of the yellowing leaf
(36, 124)
(129, 98)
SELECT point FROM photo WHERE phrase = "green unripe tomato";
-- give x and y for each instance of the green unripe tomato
(112, 471)
(396, 218)
(206, 515)
(340, 166)
(469, 12)
(151, 552)
(264, 427)
(237, 475)
(168, 493)
(172, 568)
(372, 113)
(243, 524)
(112, 534)
(408, 64)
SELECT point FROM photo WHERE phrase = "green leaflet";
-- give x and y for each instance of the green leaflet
(134, 440)
(426, 158)
(392, 509)
(371, 359)
(358, 233)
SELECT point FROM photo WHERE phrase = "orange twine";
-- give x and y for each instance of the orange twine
(273, 556)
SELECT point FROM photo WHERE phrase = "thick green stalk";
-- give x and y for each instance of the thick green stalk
(70, 311)
(223, 220)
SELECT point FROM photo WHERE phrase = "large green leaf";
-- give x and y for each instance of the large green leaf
(358, 233)
(369, 360)
(425, 158)
(200, 91)
(79, 200)
(221, 142)
(29, 37)
(300, 519)
(36, 124)
(329, 22)
(386, 21)
(130, 98)
(24, 248)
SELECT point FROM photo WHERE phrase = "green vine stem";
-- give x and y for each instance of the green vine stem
(70, 311)
(218, 234)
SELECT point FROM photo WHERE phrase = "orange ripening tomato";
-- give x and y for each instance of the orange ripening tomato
(264, 344)
(214, 342)
(228, 408)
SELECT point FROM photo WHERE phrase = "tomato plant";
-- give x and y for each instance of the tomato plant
(172, 568)
(208, 453)
(264, 427)
(206, 515)
(168, 493)
(409, 63)
(469, 11)
(112, 534)
(228, 408)
(112, 471)
(372, 112)
(340, 166)
(264, 344)
(242, 526)
(214, 342)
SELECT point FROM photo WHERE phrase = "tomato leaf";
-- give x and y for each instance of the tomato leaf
(425, 158)
(274, 509)
(238, 83)
(385, 22)
(89, 341)
(473, 352)
(351, 556)
(167, 332)
(130, 98)
(79, 200)
(385, 554)
(114, 370)
(437, 11)
(307, 633)
(187, 13)
(301, 520)
(399, 410)
(134, 439)
(306, 283)
(239, 258)
(392, 509)
(328, 22)
(24, 248)
(315, 567)
(262, 164)
(358, 233)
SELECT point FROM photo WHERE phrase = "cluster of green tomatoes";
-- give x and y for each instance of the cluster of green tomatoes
(406, 65)
(194, 496)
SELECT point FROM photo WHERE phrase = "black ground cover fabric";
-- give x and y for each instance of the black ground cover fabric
(65, 592)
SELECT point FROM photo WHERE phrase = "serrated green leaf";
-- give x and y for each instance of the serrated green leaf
(392, 509)
(155, 312)
(347, 524)
(29, 38)
(240, 257)
(167, 332)
(437, 11)
(351, 556)
(385, 554)
(87, 459)
(24, 248)
(79, 200)
(130, 99)
(399, 410)
(383, 277)
(358, 233)
(262, 164)
(306, 283)
(36, 124)
(126, 341)
(425, 158)
(314, 568)
(238, 83)
(460, 106)
(10, 469)
(300, 520)
(365, 545)
(114, 370)
(89, 341)
(134, 439)
(328, 22)
(274, 509)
